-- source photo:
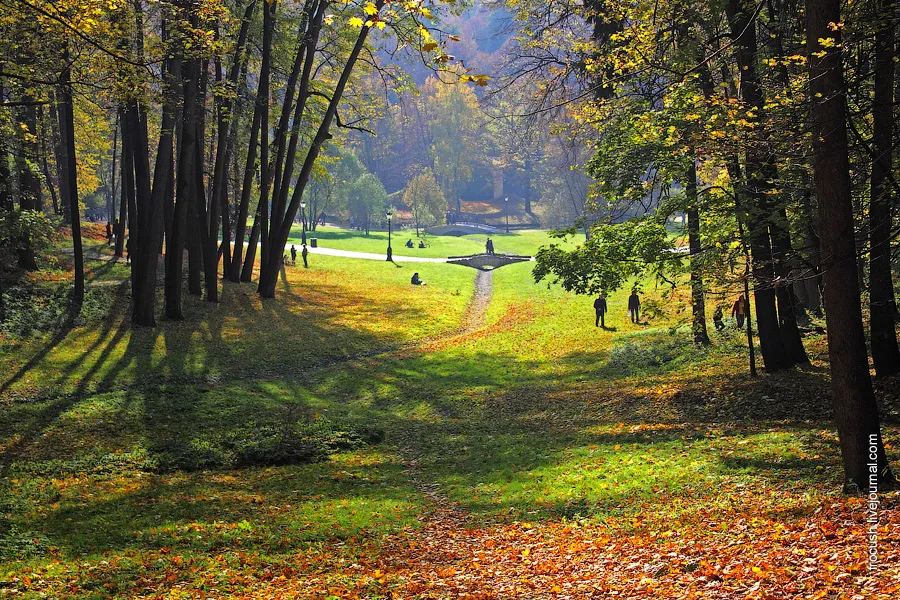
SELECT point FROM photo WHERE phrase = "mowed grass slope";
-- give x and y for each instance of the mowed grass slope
(536, 456)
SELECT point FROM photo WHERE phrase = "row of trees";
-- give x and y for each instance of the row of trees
(216, 113)
(737, 113)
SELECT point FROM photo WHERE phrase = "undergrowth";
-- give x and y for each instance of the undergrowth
(35, 310)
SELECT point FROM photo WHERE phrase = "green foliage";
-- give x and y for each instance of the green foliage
(612, 255)
(424, 197)
(16, 544)
(31, 311)
(34, 310)
(367, 200)
(264, 444)
(652, 350)
(25, 229)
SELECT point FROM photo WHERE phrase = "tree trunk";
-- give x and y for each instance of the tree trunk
(45, 166)
(882, 306)
(752, 192)
(60, 154)
(67, 129)
(184, 191)
(855, 409)
(227, 120)
(6, 195)
(698, 303)
(782, 252)
(111, 209)
(30, 185)
(269, 272)
(126, 183)
(252, 243)
(265, 173)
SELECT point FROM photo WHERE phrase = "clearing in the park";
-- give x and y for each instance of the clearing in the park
(478, 437)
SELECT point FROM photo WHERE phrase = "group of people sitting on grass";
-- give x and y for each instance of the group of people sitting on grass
(409, 243)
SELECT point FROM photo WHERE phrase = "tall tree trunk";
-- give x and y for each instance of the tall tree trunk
(185, 190)
(265, 171)
(30, 185)
(67, 129)
(698, 303)
(45, 165)
(240, 228)
(269, 271)
(308, 34)
(6, 192)
(882, 306)
(227, 120)
(111, 208)
(753, 191)
(252, 243)
(126, 183)
(60, 154)
(146, 217)
(855, 409)
(782, 260)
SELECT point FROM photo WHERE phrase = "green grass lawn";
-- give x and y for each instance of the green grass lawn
(517, 242)
(115, 442)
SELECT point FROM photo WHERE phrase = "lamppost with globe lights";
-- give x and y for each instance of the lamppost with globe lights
(303, 218)
(506, 201)
(390, 252)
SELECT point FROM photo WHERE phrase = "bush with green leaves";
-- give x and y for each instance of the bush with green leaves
(651, 350)
(263, 444)
(33, 310)
(24, 228)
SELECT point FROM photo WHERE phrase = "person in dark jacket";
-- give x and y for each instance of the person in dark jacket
(304, 253)
(600, 310)
(415, 280)
(293, 255)
(634, 306)
(717, 319)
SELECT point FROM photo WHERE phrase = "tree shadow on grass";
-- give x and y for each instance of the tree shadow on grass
(264, 510)
(484, 424)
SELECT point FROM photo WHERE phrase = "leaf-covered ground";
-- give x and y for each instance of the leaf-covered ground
(525, 453)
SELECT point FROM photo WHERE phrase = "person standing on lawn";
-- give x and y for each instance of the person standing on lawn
(634, 306)
(600, 311)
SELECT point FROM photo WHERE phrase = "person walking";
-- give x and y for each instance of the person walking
(600, 311)
(634, 306)
(304, 253)
(293, 255)
(717, 319)
(739, 310)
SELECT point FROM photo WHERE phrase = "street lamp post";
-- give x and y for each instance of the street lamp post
(390, 252)
(303, 217)
(506, 200)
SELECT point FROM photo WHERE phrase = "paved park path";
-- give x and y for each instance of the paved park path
(372, 255)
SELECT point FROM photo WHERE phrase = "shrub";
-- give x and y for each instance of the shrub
(32, 310)
(263, 444)
(653, 349)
